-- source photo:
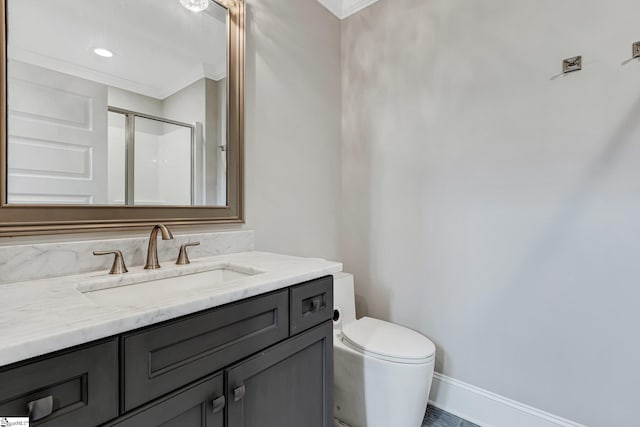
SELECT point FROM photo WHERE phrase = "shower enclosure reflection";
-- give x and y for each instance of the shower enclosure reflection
(158, 167)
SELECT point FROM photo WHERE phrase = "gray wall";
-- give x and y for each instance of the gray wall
(494, 206)
(293, 127)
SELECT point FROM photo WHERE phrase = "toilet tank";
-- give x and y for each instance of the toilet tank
(344, 301)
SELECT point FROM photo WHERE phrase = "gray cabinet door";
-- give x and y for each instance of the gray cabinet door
(198, 405)
(288, 385)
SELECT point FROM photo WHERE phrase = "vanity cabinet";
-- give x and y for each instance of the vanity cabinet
(265, 361)
(67, 389)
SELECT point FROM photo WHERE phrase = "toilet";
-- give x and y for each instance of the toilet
(382, 371)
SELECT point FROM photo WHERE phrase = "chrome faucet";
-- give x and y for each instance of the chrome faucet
(152, 251)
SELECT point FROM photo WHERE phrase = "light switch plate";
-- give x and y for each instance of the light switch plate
(572, 64)
(636, 50)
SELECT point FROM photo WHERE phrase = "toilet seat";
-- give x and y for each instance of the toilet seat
(387, 341)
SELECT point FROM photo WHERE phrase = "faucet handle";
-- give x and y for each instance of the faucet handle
(183, 257)
(118, 266)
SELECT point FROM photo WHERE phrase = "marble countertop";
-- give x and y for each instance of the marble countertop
(42, 316)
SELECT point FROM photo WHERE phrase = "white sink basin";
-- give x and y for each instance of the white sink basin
(142, 287)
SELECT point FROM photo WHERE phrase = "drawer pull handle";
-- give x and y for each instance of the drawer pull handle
(218, 404)
(238, 393)
(40, 408)
(315, 305)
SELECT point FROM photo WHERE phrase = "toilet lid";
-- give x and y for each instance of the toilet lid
(388, 341)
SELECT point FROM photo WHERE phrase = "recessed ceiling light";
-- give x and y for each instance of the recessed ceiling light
(106, 53)
(195, 5)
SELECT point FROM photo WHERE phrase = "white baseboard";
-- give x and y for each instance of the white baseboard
(488, 409)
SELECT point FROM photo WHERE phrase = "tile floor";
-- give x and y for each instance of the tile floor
(438, 418)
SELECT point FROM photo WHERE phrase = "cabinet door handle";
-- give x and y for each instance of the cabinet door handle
(238, 393)
(40, 408)
(218, 404)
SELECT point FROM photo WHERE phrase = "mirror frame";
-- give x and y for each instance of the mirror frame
(21, 219)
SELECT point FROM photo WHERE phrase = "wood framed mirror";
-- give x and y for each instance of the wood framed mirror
(120, 114)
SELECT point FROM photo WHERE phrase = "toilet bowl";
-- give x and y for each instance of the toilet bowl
(382, 371)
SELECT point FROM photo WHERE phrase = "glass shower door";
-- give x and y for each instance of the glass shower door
(162, 163)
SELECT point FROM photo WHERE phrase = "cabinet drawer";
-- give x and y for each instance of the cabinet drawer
(311, 304)
(164, 358)
(199, 405)
(82, 384)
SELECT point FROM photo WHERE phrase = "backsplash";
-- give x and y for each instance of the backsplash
(38, 261)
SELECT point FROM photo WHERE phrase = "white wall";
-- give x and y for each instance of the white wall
(132, 101)
(494, 206)
(293, 127)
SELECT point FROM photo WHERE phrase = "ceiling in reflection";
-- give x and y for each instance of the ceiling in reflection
(170, 46)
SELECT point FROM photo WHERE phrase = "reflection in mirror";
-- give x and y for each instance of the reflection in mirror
(107, 107)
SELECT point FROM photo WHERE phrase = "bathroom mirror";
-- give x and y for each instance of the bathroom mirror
(121, 113)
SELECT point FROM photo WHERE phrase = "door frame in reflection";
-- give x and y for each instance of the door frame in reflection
(130, 138)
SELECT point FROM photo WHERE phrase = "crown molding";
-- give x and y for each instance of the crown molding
(345, 8)
(334, 6)
(349, 7)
